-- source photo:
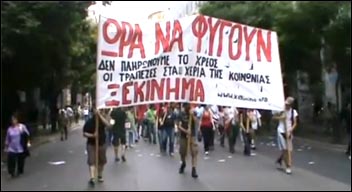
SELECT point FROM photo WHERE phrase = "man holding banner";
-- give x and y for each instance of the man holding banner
(188, 143)
(287, 124)
(90, 132)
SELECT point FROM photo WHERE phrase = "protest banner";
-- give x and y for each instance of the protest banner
(196, 59)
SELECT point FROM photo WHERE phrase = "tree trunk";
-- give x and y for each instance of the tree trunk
(53, 110)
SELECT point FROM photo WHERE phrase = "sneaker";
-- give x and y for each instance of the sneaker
(123, 159)
(172, 154)
(206, 153)
(100, 179)
(117, 159)
(91, 182)
(288, 171)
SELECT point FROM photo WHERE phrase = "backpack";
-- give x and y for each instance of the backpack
(292, 117)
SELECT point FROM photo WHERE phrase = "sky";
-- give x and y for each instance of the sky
(137, 10)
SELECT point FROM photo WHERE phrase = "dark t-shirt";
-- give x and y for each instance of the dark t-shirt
(89, 127)
(119, 117)
(160, 114)
(184, 119)
(170, 119)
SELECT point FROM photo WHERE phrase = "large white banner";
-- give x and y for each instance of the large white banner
(196, 59)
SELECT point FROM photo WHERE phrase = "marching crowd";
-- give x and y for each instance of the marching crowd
(163, 124)
(186, 124)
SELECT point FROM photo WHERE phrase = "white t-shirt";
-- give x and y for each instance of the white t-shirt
(255, 117)
(69, 111)
(85, 112)
(229, 113)
(199, 111)
(281, 126)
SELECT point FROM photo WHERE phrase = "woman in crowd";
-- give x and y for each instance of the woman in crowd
(232, 126)
(169, 121)
(151, 116)
(139, 113)
(17, 142)
(221, 126)
(255, 122)
(206, 127)
(245, 130)
(130, 126)
(161, 112)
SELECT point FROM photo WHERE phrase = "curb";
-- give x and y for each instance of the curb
(54, 137)
(315, 143)
(324, 145)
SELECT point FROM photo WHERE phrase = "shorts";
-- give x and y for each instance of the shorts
(91, 155)
(184, 146)
(282, 142)
(119, 138)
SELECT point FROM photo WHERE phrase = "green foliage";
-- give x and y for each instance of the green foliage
(45, 44)
(300, 27)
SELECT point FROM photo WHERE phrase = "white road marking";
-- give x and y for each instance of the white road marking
(230, 157)
(221, 160)
(311, 163)
(57, 163)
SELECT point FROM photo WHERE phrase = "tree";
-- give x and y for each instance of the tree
(300, 27)
(45, 45)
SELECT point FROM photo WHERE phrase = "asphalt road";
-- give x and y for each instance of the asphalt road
(145, 169)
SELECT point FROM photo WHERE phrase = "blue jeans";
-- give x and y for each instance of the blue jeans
(160, 139)
(130, 136)
(151, 132)
(168, 135)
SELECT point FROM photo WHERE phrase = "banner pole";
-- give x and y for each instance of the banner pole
(289, 160)
(189, 135)
(96, 145)
(96, 108)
